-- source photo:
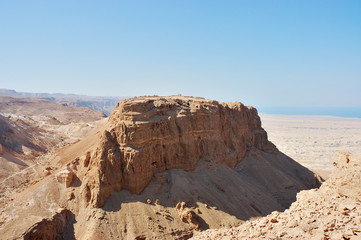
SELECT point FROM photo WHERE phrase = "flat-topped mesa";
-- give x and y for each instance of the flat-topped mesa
(147, 135)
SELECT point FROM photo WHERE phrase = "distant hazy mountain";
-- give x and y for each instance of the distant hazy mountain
(98, 103)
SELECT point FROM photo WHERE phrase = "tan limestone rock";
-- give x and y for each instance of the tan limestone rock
(87, 159)
(187, 215)
(331, 212)
(49, 228)
(148, 135)
(65, 176)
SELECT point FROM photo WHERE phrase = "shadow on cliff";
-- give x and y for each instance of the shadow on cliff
(76, 182)
(260, 184)
(11, 157)
(68, 231)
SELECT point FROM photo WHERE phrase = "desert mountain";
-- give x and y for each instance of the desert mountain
(100, 104)
(331, 212)
(29, 129)
(160, 168)
(20, 142)
(38, 107)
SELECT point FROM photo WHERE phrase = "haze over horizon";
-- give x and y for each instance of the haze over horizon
(262, 53)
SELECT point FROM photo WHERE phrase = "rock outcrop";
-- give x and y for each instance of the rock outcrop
(65, 176)
(331, 212)
(49, 228)
(152, 134)
(187, 215)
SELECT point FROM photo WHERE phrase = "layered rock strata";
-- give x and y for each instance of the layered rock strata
(152, 134)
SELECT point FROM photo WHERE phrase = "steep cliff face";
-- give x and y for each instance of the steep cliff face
(151, 134)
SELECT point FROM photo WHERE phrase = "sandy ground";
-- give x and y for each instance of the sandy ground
(313, 140)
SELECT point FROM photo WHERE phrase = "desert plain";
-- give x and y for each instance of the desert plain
(313, 140)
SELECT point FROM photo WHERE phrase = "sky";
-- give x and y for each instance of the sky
(281, 53)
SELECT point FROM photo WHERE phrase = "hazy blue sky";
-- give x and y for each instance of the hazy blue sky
(262, 53)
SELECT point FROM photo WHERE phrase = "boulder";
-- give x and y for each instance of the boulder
(65, 176)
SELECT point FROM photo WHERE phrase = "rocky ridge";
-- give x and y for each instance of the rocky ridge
(331, 212)
(97, 103)
(30, 131)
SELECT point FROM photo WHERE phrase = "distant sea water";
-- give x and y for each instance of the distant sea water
(349, 112)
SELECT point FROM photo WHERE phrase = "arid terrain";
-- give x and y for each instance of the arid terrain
(313, 140)
(30, 130)
(159, 167)
(331, 212)
(171, 168)
(100, 104)
(177, 120)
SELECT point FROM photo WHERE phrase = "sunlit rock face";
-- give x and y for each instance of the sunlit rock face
(148, 135)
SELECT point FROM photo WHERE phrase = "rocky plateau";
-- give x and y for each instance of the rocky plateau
(158, 168)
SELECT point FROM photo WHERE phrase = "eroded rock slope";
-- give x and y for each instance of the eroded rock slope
(331, 212)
